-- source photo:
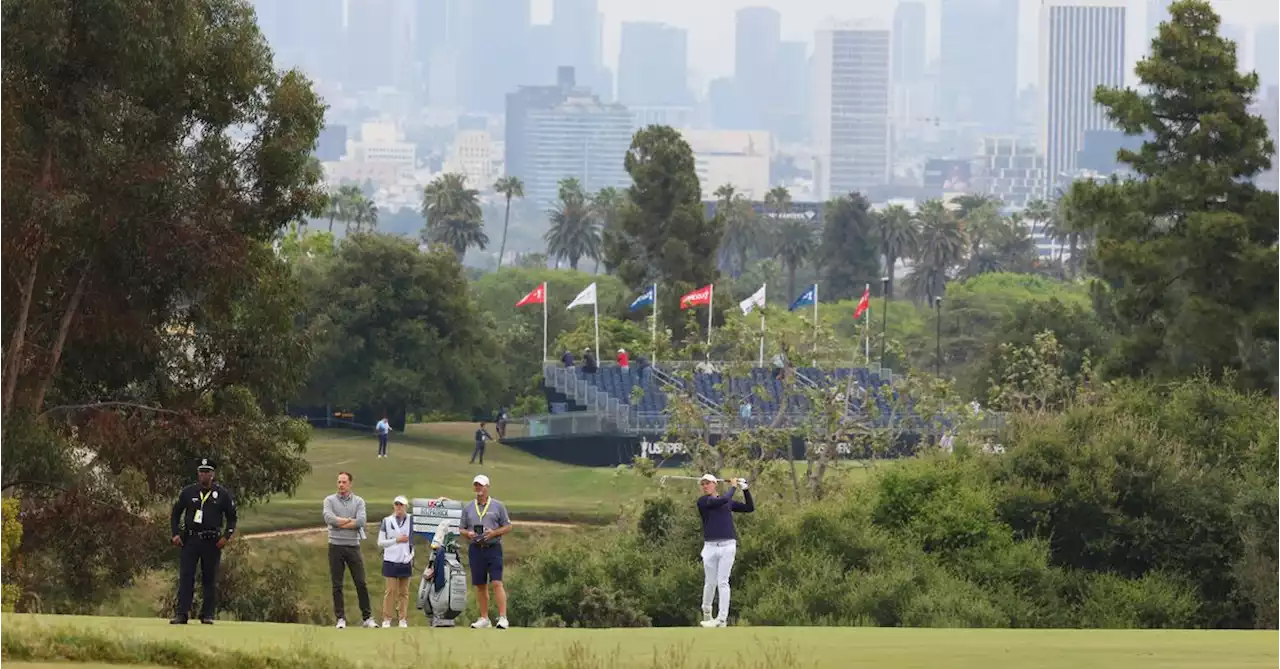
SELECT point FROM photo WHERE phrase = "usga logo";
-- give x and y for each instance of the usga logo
(661, 448)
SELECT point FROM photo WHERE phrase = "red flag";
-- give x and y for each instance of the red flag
(538, 296)
(697, 297)
(863, 304)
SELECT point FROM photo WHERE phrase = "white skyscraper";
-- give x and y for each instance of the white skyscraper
(852, 90)
(1081, 48)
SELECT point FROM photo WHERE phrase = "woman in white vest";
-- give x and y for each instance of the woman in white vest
(396, 539)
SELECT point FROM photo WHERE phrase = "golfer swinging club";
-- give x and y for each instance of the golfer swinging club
(720, 543)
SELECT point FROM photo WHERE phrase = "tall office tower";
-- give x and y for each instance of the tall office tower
(979, 64)
(1081, 48)
(442, 44)
(757, 34)
(909, 30)
(561, 131)
(307, 34)
(576, 24)
(499, 52)
(541, 57)
(790, 115)
(852, 83)
(372, 40)
(653, 65)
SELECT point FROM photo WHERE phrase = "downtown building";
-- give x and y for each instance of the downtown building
(852, 86)
(562, 131)
(1081, 48)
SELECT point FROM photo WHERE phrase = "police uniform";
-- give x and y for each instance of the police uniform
(202, 513)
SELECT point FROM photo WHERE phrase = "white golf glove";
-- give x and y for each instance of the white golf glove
(742, 483)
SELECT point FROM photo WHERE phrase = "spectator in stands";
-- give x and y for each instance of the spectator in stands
(589, 361)
(642, 364)
(779, 362)
(624, 361)
(744, 411)
(567, 359)
(482, 436)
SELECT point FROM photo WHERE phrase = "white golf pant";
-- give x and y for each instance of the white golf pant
(717, 562)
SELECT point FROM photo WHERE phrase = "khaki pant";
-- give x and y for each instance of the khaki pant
(397, 597)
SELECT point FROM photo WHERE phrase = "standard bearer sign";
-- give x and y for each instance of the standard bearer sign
(427, 514)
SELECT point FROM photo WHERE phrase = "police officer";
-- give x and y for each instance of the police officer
(201, 507)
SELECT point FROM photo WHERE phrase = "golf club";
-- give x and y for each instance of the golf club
(663, 480)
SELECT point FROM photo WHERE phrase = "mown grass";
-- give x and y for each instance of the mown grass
(261, 645)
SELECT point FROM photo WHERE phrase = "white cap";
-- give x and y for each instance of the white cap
(481, 479)
(708, 477)
(400, 499)
(622, 350)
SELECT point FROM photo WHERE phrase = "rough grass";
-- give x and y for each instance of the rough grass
(254, 645)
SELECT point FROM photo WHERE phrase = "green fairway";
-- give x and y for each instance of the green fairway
(883, 648)
(433, 461)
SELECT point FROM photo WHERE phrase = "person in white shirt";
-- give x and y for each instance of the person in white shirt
(396, 539)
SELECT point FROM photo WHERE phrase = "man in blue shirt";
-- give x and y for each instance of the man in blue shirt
(720, 543)
(383, 428)
(482, 436)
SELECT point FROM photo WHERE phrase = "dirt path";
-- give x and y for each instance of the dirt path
(306, 531)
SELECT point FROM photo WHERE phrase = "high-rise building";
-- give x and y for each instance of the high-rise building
(379, 50)
(1157, 13)
(852, 83)
(1081, 48)
(909, 30)
(561, 131)
(979, 64)
(788, 117)
(307, 34)
(653, 65)
(1009, 168)
(1266, 56)
(499, 47)
(757, 34)
(576, 24)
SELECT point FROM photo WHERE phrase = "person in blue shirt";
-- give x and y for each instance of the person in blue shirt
(383, 428)
(720, 543)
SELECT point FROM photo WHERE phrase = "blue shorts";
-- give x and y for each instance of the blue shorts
(486, 563)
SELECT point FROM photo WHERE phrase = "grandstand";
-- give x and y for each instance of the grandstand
(608, 416)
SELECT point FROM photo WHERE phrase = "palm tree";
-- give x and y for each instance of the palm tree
(453, 215)
(980, 224)
(363, 211)
(795, 240)
(341, 204)
(509, 187)
(942, 246)
(741, 227)
(575, 232)
(899, 235)
(967, 203)
(607, 207)
(1038, 212)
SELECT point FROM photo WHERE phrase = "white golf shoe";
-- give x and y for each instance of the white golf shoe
(481, 624)
(502, 623)
(706, 613)
(386, 624)
(370, 623)
(342, 623)
(714, 622)
(404, 623)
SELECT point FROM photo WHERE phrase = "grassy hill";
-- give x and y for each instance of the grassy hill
(433, 461)
(147, 641)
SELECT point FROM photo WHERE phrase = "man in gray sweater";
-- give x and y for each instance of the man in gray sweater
(344, 515)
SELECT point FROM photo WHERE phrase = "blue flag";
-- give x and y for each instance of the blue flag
(806, 299)
(645, 298)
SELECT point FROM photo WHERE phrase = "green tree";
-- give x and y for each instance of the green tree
(363, 213)
(397, 328)
(339, 204)
(795, 242)
(150, 320)
(942, 247)
(848, 247)
(508, 187)
(742, 229)
(453, 215)
(1186, 253)
(665, 236)
(575, 232)
(898, 233)
(607, 206)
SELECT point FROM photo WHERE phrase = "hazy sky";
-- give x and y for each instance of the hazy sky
(710, 25)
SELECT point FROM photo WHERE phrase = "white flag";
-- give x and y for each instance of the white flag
(587, 296)
(756, 300)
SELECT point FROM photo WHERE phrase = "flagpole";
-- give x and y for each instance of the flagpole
(544, 321)
(595, 311)
(815, 322)
(866, 326)
(761, 363)
(711, 301)
(653, 329)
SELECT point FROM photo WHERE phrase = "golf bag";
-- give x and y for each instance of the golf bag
(443, 595)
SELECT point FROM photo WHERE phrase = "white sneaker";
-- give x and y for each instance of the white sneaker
(404, 623)
(502, 623)
(370, 623)
(715, 622)
(342, 623)
(480, 624)
(386, 624)
(706, 614)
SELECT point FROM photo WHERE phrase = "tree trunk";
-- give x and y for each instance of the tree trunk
(791, 281)
(506, 220)
(55, 355)
(890, 261)
(12, 365)
(573, 263)
(331, 225)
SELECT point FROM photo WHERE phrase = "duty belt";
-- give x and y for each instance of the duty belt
(205, 534)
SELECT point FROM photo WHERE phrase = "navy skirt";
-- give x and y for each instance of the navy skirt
(397, 569)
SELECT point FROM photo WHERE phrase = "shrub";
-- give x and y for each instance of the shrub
(10, 539)
(1157, 600)
(251, 587)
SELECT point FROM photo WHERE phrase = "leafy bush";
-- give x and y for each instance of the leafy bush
(10, 539)
(251, 587)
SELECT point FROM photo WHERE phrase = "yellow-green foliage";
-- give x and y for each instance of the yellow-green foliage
(10, 539)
